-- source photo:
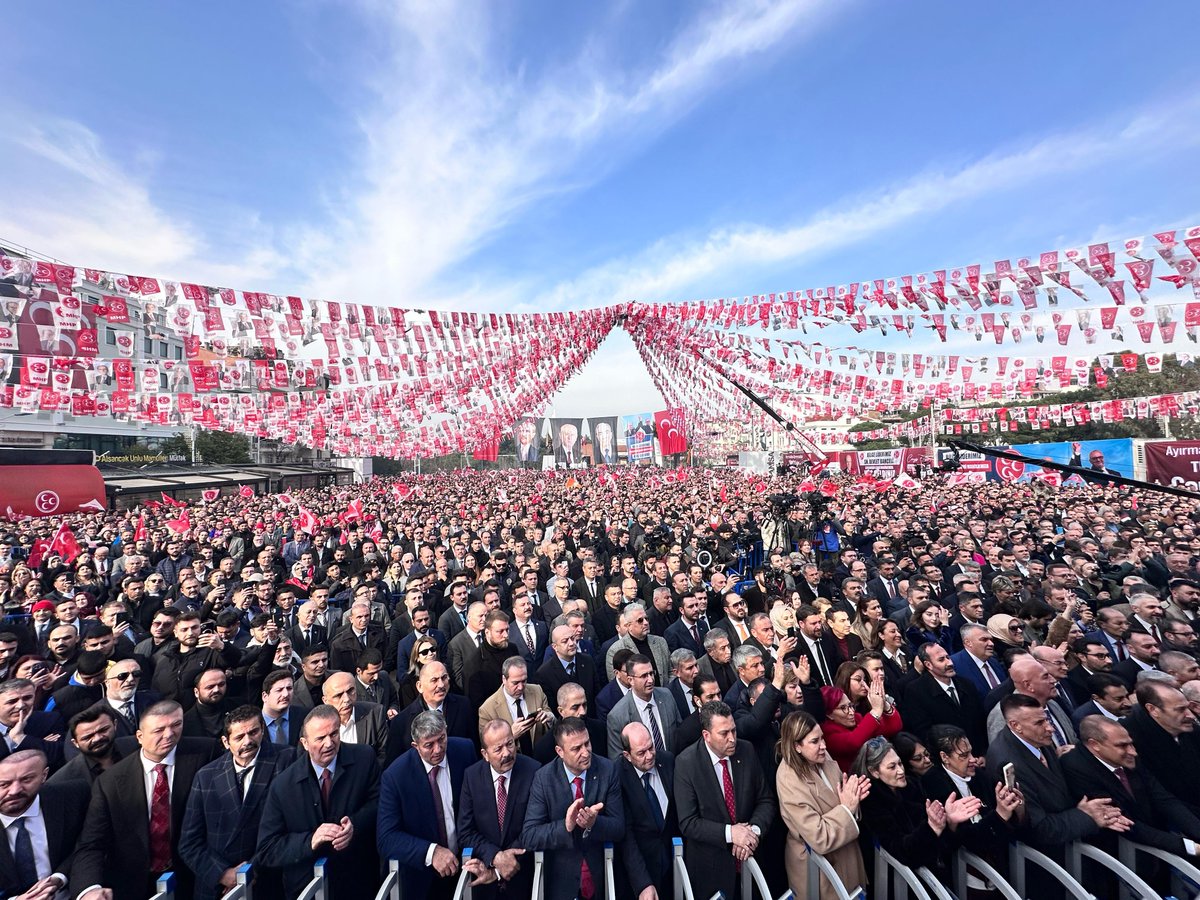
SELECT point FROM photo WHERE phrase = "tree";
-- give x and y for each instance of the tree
(214, 447)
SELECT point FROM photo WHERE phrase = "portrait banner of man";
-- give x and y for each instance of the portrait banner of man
(603, 431)
(527, 435)
(567, 445)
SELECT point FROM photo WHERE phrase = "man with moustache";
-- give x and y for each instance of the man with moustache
(93, 733)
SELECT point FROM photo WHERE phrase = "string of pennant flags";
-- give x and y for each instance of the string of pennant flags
(357, 378)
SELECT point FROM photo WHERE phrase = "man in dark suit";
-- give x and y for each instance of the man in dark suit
(942, 697)
(717, 661)
(370, 724)
(979, 654)
(1105, 764)
(735, 626)
(220, 825)
(417, 822)
(308, 632)
(93, 734)
(684, 669)
(25, 728)
(45, 820)
(491, 813)
(324, 805)
(530, 636)
(574, 809)
(123, 696)
(121, 848)
(1053, 816)
(1164, 731)
(362, 634)
(885, 588)
(1109, 698)
(568, 665)
(647, 778)
(590, 588)
(687, 632)
(839, 643)
(572, 704)
(283, 719)
(373, 684)
(704, 690)
(433, 689)
(718, 838)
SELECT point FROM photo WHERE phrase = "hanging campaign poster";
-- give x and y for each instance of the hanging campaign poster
(566, 434)
(639, 437)
(527, 435)
(1174, 463)
(603, 439)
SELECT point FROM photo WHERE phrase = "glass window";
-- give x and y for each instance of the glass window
(163, 351)
(110, 337)
(148, 343)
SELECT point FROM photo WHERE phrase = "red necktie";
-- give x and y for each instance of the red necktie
(160, 821)
(587, 887)
(727, 786)
(990, 676)
(1120, 648)
(1124, 779)
(326, 790)
(501, 801)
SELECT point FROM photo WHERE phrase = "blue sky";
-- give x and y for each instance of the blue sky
(521, 156)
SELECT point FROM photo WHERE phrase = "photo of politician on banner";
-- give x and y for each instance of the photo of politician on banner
(639, 437)
(567, 435)
(603, 432)
(527, 436)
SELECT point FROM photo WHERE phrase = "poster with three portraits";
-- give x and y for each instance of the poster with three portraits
(574, 442)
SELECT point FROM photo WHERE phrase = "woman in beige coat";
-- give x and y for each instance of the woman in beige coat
(819, 806)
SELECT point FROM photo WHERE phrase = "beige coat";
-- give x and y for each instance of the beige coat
(496, 707)
(814, 816)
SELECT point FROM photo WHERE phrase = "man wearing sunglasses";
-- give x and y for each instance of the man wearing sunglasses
(123, 694)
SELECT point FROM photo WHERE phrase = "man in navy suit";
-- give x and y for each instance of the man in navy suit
(417, 823)
(977, 662)
(647, 781)
(220, 825)
(491, 814)
(574, 809)
(25, 728)
(530, 636)
(324, 805)
(687, 632)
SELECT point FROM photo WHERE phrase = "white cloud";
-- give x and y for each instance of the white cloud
(458, 143)
(674, 266)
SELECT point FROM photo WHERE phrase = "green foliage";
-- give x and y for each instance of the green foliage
(212, 447)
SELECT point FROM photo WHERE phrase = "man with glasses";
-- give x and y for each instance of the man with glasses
(162, 627)
(735, 626)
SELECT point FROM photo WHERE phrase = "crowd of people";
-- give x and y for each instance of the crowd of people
(517, 662)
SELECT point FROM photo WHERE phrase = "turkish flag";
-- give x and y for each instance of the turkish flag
(308, 522)
(64, 543)
(180, 525)
(669, 423)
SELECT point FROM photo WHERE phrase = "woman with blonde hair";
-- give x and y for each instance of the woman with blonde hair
(424, 650)
(819, 806)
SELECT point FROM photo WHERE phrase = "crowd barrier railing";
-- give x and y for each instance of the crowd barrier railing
(390, 889)
(462, 890)
(241, 884)
(753, 879)
(1129, 880)
(1185, 876)
(164, 888)
(610, 881)
(885, 866)
(1022, 855)
(964, 860)
(315, 889)
(539, 875)
(818, 865)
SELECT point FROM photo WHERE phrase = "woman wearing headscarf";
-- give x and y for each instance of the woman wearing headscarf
(819, 806)
(1007, 631)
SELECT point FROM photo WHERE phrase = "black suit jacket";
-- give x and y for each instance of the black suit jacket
(345, 648)
(700, 805)
(646, 851)
(1176, 764)
(541, 640)
(461, 721)
(731, 632)
(1156, 814)
(479, 826)
(114, 846)
(63, 808)
(724, 673)
(926, 704)
(552, 675)
(991, 831)
(595, 600)
(679, 637)
(40, 726)
(320, 638)
(833, 652)
(1127, 671)
(1051, 817)
(293, 811)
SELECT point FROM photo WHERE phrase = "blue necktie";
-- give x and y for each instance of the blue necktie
(652, 799)
(23, 856)
(280, 735)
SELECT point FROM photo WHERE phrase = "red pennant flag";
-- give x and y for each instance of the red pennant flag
(180, 525)
(171, 501)
(285, 499)
(210, 494)
(308, 522)
(245, 491)
(64, 544)
(140, 533)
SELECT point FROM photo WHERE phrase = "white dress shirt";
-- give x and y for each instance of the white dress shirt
(238, 770)
(657, 786)
(35, 826)
(719, 771)
(349, 731)
(447, 811)
(148, 776)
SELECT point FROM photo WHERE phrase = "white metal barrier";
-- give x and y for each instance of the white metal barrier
(390, 889)
(164, 888)
(462, 890)
(1185, 876)
(539, 875)
(818, 865)
(964, 859)
(1020, 855)
(610, 882)
(1129, 879)
(315, 889)
(241, 885)
(935, 887)
(752, 877)
(683, 884)
(885, 865)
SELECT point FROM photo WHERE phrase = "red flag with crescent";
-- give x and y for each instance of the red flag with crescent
(670, 425)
